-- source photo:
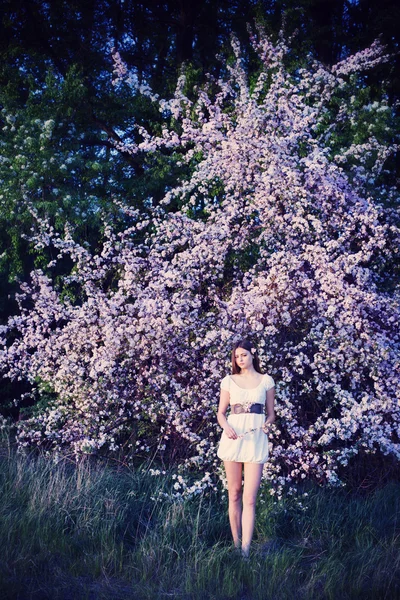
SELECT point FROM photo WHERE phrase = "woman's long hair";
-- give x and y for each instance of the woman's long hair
(246, 345)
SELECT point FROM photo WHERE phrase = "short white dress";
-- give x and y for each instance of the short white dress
(253, 446)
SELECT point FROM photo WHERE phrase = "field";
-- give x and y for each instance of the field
(85, 531)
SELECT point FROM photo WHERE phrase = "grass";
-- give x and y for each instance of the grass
(90, 532)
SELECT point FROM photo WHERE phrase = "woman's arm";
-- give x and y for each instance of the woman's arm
(224, 401)
(270, 403)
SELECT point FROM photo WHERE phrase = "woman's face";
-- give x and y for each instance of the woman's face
(244, 359)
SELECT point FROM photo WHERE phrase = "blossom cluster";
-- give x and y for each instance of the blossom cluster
(274, 239)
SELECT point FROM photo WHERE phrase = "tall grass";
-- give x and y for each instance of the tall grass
(90, 532)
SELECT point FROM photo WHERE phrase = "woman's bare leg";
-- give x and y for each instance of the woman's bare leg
(234, 477)
(252, 479)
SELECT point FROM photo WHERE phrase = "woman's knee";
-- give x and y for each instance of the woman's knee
(235, 495)
(249, 500)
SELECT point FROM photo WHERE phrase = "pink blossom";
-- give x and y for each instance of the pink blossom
(278, 238)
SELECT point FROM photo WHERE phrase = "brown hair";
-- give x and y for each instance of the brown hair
(246, 345)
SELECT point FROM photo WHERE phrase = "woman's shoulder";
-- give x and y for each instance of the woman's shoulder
(268, 381)
(225, 383)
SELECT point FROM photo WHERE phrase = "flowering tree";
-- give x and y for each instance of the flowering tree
(279, 233)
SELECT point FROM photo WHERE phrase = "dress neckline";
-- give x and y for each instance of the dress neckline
(246, 389)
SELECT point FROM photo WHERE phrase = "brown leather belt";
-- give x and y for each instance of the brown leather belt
(257, 408)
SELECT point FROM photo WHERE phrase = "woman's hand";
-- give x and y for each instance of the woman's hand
(230, 432)
(266, 427)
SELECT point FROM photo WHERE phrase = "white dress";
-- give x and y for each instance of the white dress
(253, 446)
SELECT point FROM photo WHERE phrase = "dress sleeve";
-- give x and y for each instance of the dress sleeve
(225, 383)
(269, 383)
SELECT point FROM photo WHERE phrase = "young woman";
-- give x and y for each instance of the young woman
(244, 441)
